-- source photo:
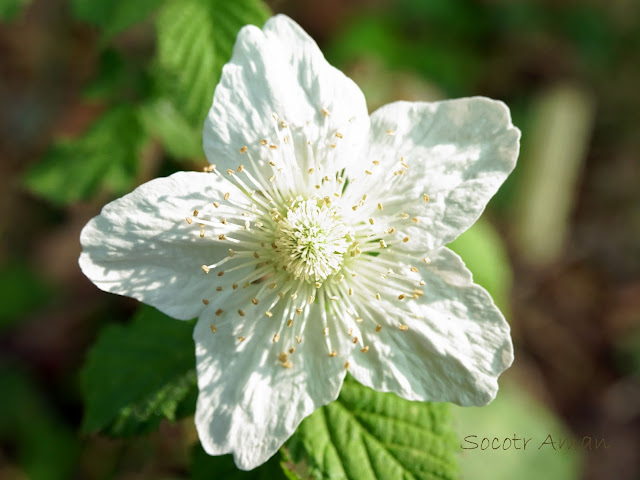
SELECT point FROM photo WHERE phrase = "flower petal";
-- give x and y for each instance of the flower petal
(457, 152)
(251, 400)
(454, 351)
(142, 246)
(277, 75)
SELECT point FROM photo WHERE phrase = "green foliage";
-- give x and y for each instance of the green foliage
(22, 292)
(106, 157)
(195, 39)
(46, 447)
(514, 412)
(370, 435)
(206, 467)
(138, 374)
(483, 252)
(162, 121)
(111, 16)
(11, 9)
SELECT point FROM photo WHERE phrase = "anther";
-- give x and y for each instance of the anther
(243, 150)
(263, 142)
(325, 331)
(355, 340)
(240, 168)
(268, 314)
(292, 349)
(254, 301)
(333, 353)
(359, 320)
(226, 196)
(234, 286)
(383, 244)
(213, 328)
(241, 339)
(222, 237)
(219, 312)
(241, 313)
(290, 322)
(378, 327)
(216, 204)
(365, 349)
(273, 147)
(325, 112)
(298, 339)
(401, 296)
(403, 328)
(218, 289)
(371, 221)
(276, 337)
(205, 269)
(405, 239)
(339, 135)
(391, 132)
(425, 197)
(201, 233)
(379, 206)
(189, 220)
(346, 365)
(205, 301)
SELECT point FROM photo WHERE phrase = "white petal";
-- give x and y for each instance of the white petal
(249, 404)
(280, 70)
(141, 245)
(453, 353)
(458, 152)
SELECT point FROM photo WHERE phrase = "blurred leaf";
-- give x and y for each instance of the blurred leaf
(371, 435)
(206, 467)
(138, 374)
(11, 9)
(22, 292)
(161, 120)
(195, 39)
(484, 254)
(106, 156)
(113, 16)
(514, 413)
(45, 448)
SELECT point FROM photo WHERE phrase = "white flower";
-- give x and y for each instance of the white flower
(315, 245)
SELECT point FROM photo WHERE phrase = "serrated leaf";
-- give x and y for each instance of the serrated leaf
(162, 120)
(113, 16)
(11, 9)
(371, 435)
(105, 157)
(195, 39)
(206, 467)
(138, 374)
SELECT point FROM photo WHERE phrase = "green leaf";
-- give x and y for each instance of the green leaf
(371, 435)
(23, 291)
(206, 467)
(161, 120)
(138, 374)
(44, 446)
(113, 16)
(195, 39)
(483, 252)
(105, 157)
(11, 9)
(515, 412)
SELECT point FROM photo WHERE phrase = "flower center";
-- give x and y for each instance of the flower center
(311, 240)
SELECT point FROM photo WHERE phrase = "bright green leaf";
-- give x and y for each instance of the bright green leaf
(161, 120)
(195, 39)
(206, 467)
(371, 435)
(138, 374)
(105, 157)
(113, 16)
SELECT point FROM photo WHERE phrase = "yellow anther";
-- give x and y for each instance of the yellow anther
(205, 269)
(189, 220)
(425, 197)
(241, 339)
(401, 296)
(240, 168)
(290, 322)
(339, 135)
(276, 337)
(268, 314)
(325, 112)
(383, 244)
(292, 349)
(226, 196)
(241, 313)
(255, 301)
(378, 327)
(365, 349)
(325, 331)
(219, 312)
(405, 239)
(359, 320)
(371, 221)
(263, 142)
(205, 301)
(222, 237)
(216, 204)
(355, 340)
(347, 365)
(333, 353)
(213, 328)
(243, 150)
(403, 328)
(379, 206)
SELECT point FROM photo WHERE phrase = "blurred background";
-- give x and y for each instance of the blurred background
(84, 118)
